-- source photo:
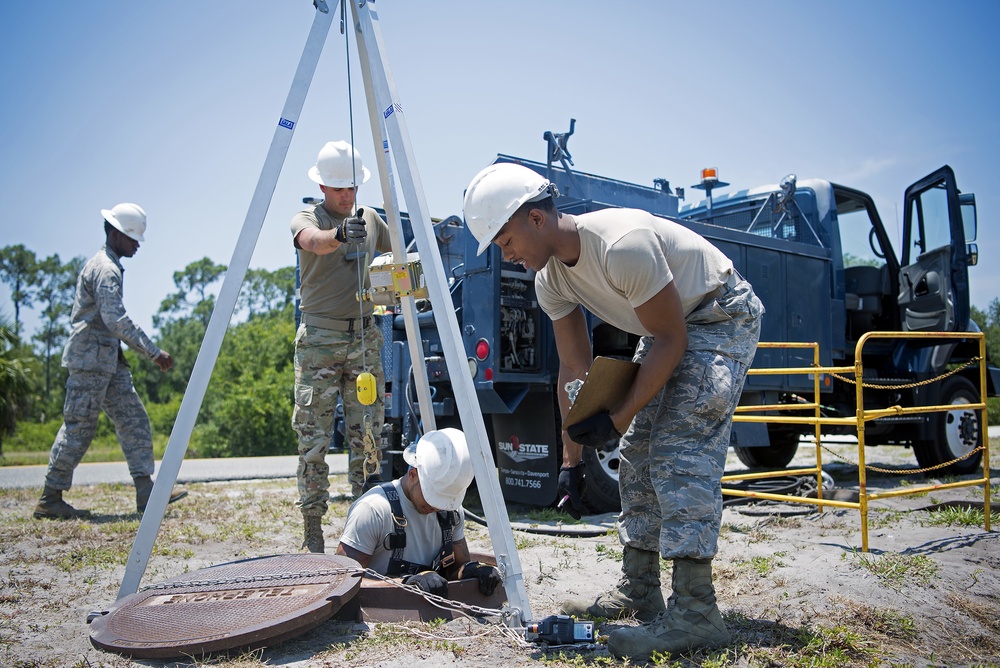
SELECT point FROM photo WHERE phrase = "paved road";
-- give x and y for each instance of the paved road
(194, 470)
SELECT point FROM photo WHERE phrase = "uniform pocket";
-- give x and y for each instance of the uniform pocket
(81, 405)
(709, 314)
(702, 385)
(303, 395)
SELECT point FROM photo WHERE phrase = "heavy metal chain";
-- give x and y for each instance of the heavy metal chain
(251, 579)
(449, 604)
(906, 386)
(905, 471)
(875, 386)
(440, 601)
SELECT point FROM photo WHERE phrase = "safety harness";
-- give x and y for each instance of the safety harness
(396, 541)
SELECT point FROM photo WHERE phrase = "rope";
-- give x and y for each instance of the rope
(371, 464)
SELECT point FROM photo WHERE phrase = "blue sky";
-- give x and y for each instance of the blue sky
(173, 105)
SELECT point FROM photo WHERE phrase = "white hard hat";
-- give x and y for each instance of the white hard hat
(442, 461)
(129, 219)
(496, 193)
(335, 167)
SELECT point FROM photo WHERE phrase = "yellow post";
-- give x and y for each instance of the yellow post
(984, 424)
(860, 415)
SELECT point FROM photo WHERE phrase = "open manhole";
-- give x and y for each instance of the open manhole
(241, 604)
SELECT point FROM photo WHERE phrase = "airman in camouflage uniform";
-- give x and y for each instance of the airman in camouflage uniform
(338, 339)
(699, 324)
(99, 378)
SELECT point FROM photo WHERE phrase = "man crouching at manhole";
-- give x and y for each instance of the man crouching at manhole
(699, 323)
(414, 526)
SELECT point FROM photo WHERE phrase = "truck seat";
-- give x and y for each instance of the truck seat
(863, 298)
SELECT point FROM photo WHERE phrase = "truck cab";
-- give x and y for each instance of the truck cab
(819, 257)
(867, 287)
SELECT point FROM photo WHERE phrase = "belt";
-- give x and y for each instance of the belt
(334, 324)
(732, 281)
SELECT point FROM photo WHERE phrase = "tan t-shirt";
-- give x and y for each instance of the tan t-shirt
(369, 521)
(626, 257)
(329, 283)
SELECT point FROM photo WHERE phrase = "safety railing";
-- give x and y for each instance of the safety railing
(858, 420)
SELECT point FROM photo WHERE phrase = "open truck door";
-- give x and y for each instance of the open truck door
(934, 279)
(939, 228)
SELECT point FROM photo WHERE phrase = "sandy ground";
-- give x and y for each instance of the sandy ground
(792, 582)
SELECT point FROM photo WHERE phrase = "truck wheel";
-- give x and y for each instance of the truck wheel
(601, 466)
(956, 433)
(784, 445)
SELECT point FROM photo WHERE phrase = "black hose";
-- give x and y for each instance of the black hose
(566, 530)
(787, 485)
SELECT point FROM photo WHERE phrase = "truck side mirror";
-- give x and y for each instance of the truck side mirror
(967, 201)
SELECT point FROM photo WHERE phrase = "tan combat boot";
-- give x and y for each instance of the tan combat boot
(52, 506)
(637, 592)
(144, 487)
(692, 622)
(314, 534)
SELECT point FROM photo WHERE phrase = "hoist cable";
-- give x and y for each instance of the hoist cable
(370, 448)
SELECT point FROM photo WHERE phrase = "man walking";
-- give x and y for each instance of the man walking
(337, 339)
(699, 323)
(98, 372)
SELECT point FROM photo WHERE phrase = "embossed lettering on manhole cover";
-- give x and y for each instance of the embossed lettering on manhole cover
(249, 603)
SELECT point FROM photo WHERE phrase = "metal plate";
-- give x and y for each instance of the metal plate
(241, 604)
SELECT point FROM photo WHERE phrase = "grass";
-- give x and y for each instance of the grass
(103, 449)
(896, 570)
(52, 570)
(962, 516)
(754, 533)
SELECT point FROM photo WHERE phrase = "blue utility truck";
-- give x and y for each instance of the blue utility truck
(817, 255)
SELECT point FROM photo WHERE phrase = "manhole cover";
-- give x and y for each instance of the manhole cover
(241, 604)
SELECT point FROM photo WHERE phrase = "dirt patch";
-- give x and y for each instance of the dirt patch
(793, 584)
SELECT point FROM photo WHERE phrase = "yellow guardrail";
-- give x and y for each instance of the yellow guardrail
(858, 420)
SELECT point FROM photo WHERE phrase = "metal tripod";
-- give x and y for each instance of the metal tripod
(388, 125)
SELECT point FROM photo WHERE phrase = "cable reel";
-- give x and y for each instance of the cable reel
(390, 282)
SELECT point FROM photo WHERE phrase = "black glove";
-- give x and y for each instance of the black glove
(595, 431)
(352, 230)
(488, 576)
(570, 490)
(429, 581)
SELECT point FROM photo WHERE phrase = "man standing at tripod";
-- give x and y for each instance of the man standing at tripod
(337, 339)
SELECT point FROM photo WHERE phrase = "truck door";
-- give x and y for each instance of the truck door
(934, 279)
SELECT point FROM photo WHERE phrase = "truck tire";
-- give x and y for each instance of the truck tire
(956, 433)
(601, 495)
(784, 445)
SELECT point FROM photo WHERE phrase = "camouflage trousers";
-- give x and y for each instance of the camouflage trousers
(87, 393)
(327, 366)
(674, 452)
